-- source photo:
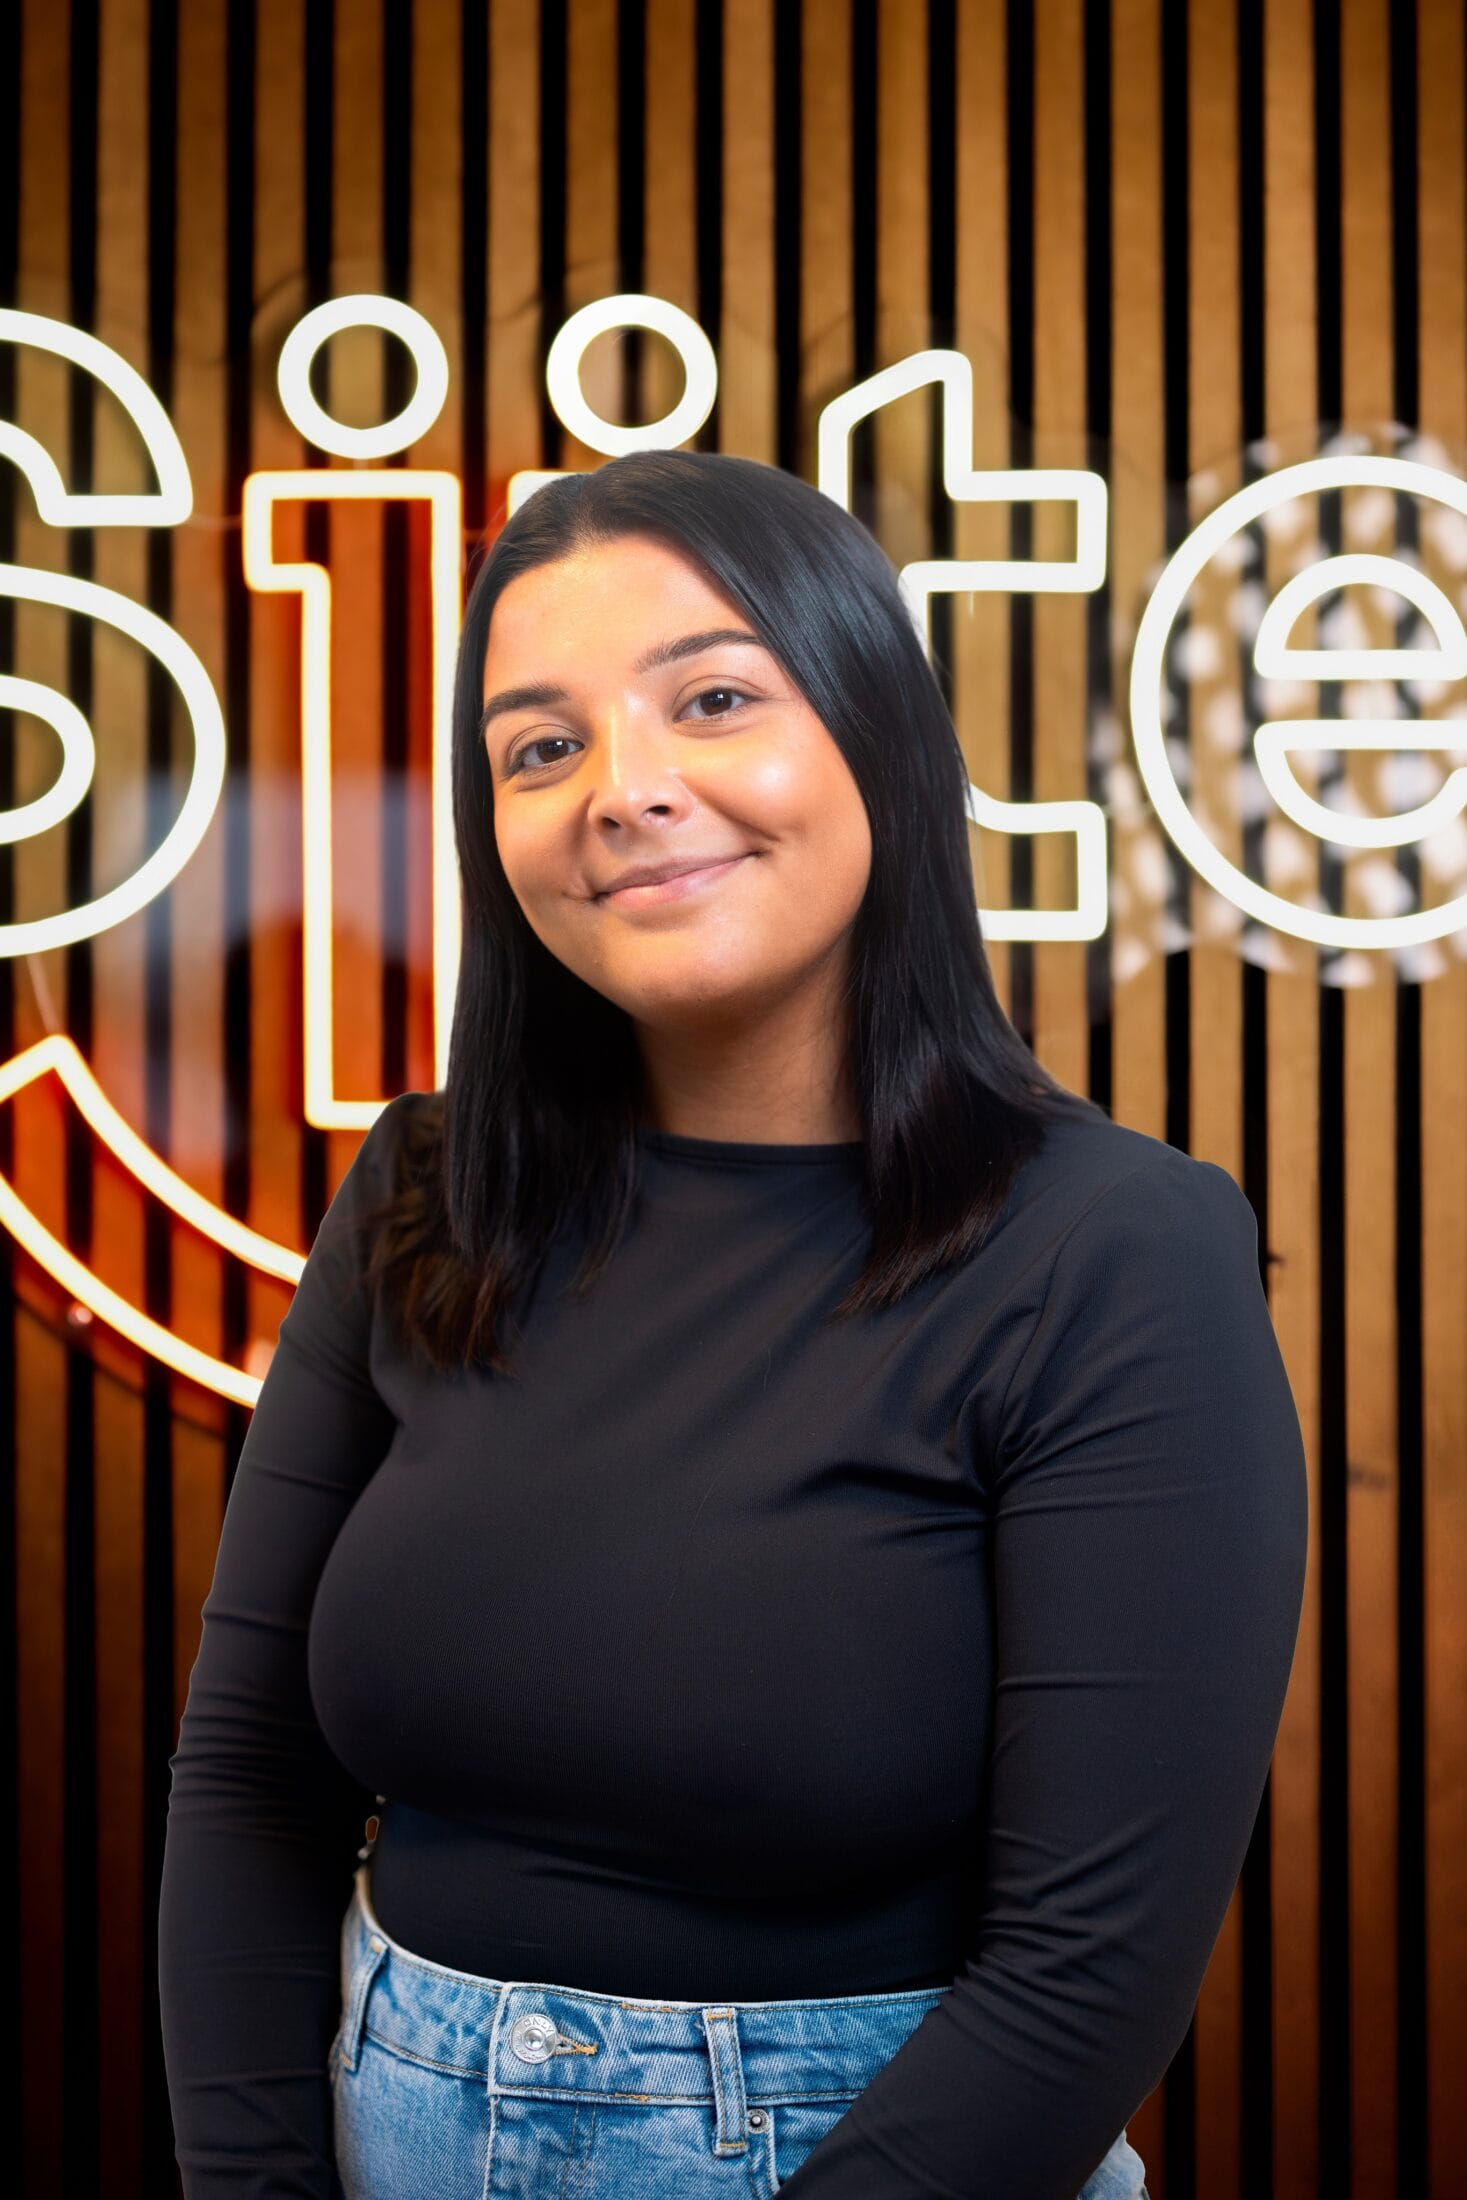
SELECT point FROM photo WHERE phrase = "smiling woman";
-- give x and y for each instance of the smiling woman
(813, 1683)
(679, 659)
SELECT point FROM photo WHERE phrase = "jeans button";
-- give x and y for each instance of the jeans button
(532, 2038)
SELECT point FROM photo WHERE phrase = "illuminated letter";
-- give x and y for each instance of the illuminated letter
(1308, 478)
(362, 309)
(1277, 738)
(167, 505)
(263, 572)
(926, 576)
(58, 1053)
(30, 584)
(628, 309)
(262, 492)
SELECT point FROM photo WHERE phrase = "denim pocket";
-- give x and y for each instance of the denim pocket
(793, 2129)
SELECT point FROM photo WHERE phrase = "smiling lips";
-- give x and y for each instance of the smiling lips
(647, 893)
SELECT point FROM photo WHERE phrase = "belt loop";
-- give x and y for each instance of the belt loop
(355, 2014)
(721, 2027)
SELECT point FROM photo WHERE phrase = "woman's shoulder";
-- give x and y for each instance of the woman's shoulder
(1094, 1178)
(408, 1112)
(1137, 1276)
(403, 1132)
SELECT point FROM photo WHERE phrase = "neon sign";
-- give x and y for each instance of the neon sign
(441, 492)
(1276, 740)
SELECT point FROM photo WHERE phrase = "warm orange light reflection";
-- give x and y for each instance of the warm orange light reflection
(57, 1052)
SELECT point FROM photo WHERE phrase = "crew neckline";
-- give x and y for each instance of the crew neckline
(745, 1151)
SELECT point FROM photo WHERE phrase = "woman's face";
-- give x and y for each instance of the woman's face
(649, 743)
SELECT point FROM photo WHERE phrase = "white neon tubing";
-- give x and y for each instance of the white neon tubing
(167, 505)
(363, 309)
(268, 575)
(924, 577)
(59, 1053)
(953, 372)
(1274, 659)
(1148, 732)
(78, 757)
(31, 584)
(88, 1289)
(1278, 738)
(631, 309)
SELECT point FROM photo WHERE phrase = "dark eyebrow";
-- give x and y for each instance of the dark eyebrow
(665, 653)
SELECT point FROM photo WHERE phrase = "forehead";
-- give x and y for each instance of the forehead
(613, 597)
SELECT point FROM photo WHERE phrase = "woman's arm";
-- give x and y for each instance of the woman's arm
(263, 1822)
(1149, 1503)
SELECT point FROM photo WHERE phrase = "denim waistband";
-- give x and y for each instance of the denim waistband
(537, 2038)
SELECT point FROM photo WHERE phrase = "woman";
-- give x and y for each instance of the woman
(797, 1521)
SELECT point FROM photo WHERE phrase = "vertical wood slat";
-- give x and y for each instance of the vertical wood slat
(120, 719)
(282, 127)
(357, 536)
(670, 226)
(1293, 1175)
(1137, 546)
(1061, 1022)
(120, 838)
(826, 155)
(434, 288)
(436, 155)
(1372, 1483)
(40, 1385)
(1442, 294)
(1192, 2131)
(1215, 1035)
(199, 944)
(981, 623)
(900, 445)
(592, 201)
(208, 549)
(746, 379)
(515, 363)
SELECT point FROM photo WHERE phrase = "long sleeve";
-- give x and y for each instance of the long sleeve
(1149, 1508)
(263, 1822)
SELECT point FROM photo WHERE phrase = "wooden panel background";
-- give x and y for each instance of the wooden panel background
(1167, 236)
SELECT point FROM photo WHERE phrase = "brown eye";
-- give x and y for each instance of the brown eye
(736, 693)
(542, 741)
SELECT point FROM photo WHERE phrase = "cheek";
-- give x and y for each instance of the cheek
(804, 801)
(533, 855)
(810, 810)
(839, 835)
(776, 792)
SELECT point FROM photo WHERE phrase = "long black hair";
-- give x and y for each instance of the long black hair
(535, 1128)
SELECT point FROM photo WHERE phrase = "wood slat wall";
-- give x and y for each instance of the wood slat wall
(1166, 236)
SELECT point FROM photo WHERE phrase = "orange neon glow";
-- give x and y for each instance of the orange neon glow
(58, 1053)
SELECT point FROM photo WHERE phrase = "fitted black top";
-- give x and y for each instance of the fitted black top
(721, 1652)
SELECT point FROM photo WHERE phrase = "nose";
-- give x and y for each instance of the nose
(632, 766)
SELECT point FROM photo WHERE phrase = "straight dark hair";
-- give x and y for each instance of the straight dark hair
(535, 1129)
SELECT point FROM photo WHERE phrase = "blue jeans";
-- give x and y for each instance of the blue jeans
(451, 2087)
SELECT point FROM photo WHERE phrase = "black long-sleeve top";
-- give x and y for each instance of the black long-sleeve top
(723, 1653)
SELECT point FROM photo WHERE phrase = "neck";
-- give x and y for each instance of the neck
(784, 1083)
